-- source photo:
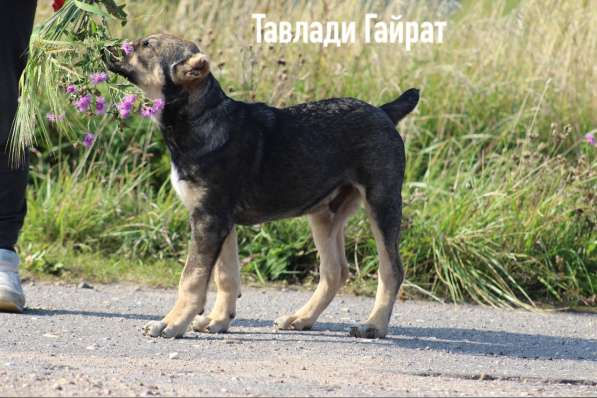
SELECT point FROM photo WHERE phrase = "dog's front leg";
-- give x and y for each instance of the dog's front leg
(208, 233)
(226, 275)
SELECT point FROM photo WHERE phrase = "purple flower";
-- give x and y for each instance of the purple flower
(590, 138)
(88, 139)
(126, 105)
(124, 112)
(97, 78)
(52, 117)
(71, 88)
(127, 47)
(147, 111)
(158, 105)
(100, 105)
(82, 104)
(129, 99)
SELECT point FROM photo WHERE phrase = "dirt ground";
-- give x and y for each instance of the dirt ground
(80, 341)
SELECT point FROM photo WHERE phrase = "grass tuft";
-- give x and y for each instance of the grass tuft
(500, 186)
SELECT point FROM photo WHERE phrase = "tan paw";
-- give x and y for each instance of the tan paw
(205, 324)
(162, 329)
(367, 331)
(292, 322)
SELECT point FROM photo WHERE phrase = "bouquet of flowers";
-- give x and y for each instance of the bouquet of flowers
(66, 74)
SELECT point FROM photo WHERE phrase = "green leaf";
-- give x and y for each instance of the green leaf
(91, 8)
(116, 10)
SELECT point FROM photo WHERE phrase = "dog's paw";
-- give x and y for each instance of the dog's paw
(292, 322)
(162, 329)
(205, 324)
(366, 331)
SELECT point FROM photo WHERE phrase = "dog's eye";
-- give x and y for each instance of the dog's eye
(146, 43)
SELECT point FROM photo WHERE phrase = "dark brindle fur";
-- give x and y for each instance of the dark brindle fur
(247, 163)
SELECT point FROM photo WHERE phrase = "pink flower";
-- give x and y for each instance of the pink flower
(52, 117)
(158, 105)
(127, 47)
(97, 78)
(590, 138)
(100, 105)
(88, 139)
(126, 105)
(71, 88)
(82, 104)
(147, 111)
(124, 112)
(129, 99)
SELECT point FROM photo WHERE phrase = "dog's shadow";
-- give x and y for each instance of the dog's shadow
(453, 340)
(461, 340)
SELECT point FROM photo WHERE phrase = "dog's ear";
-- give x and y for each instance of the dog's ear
(191, 69)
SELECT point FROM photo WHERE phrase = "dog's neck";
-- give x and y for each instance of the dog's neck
(200, 97)
(188, 121)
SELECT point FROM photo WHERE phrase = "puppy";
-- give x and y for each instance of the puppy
(236, 163)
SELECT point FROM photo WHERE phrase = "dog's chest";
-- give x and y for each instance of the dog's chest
(189, 194)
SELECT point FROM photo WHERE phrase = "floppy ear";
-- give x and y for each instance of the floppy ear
(191, 69)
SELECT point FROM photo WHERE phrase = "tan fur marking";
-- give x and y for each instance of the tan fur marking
(386, 284)
(192, 70)
(153, 82)
(134, 61)
(189, 194)
(190, 300)
(226, 275)
(328, 229)
(192, 292)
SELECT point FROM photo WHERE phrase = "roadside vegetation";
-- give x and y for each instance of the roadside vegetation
(500, 194)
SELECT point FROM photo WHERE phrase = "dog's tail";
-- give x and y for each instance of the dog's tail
(402, 106)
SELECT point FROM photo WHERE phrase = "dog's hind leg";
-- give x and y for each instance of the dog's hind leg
(384, 209)
(347, 209)
(327, 227)
(227, 278)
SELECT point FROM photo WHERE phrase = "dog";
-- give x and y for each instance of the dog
(236, 163)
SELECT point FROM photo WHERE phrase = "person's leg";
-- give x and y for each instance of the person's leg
(16, 22)
(13, 206)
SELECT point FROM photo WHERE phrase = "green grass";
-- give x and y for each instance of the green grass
(500, 190)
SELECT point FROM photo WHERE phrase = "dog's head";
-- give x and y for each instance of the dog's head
(161, 60)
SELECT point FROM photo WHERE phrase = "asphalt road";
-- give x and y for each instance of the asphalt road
(74, 341)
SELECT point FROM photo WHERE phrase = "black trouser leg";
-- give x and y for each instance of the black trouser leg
(16, 23)
(13, 205)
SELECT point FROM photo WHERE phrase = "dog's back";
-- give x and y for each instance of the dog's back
(309, 150)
